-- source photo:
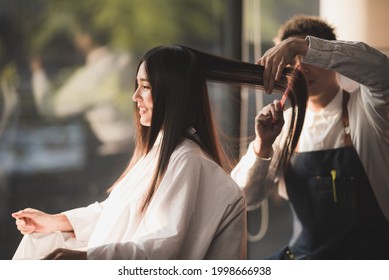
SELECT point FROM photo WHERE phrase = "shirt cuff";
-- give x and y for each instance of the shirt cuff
(319, 52)
(83, 220)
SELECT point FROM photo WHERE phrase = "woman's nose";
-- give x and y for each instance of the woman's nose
(135, 96)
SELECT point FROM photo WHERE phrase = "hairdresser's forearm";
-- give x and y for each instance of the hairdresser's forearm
(261, 149)
(355, 60)
(251, 175)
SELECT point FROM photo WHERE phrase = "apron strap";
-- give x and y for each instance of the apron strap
(345, 119)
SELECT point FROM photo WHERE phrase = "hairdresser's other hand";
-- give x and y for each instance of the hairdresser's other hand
(276, 58)
(31, 220)
(66, 254)
(268, 125)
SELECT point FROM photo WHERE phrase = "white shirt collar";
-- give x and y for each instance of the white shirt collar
(332, 108)
(321, 129)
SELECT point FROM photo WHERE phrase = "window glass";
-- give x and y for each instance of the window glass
(67, 72)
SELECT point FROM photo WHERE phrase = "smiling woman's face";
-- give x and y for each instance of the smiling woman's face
(143, 97)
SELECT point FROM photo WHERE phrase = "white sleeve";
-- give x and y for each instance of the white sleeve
(166, 221)
(84, 219)
(251, 176)
(363, 64)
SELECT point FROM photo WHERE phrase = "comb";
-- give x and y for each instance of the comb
(287, 91)
(285, 96)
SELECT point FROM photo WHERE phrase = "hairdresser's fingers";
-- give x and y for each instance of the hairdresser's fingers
(277, 111)
(270, 115)
(266, 132)
(269, 75)
(270, 130)
(280, 67)
(266, 61)
(264, 120)
(273, 113)
(260, 61)
(274, 66)
(278, 114)
(270, 78)
(272, 110)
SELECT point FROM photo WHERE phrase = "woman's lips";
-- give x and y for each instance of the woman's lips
(142, 109)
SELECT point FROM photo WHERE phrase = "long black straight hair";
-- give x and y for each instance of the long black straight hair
(177, 76)
(221, 69)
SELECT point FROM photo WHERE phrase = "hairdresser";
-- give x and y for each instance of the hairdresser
(337, 179)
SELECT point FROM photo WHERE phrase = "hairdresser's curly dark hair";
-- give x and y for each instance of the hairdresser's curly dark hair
(306, 25)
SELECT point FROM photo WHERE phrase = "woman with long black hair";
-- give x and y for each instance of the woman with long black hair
(175, 200)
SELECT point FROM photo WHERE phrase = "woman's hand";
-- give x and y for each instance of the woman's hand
(268, 125)
(66, 254)
(31, 220)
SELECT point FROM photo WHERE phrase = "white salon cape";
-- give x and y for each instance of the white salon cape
(197, 212)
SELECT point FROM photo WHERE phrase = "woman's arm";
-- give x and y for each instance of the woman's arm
(31, 220)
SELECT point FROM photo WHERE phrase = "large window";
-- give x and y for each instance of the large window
(65, 127)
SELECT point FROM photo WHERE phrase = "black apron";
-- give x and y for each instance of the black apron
(331, 196)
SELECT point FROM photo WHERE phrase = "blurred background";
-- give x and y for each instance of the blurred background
(67, 72)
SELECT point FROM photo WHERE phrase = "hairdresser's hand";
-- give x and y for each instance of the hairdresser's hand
(31, 220)
(268, 125)
(65, 254)
(276, 58)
